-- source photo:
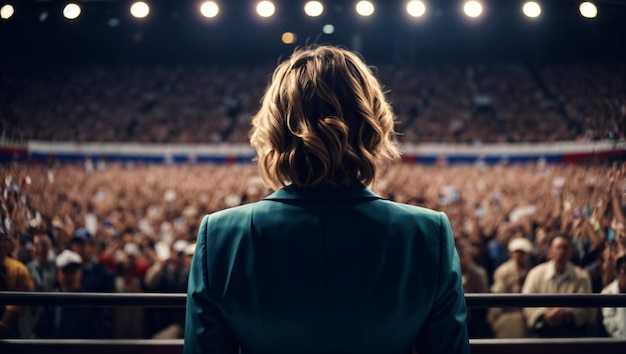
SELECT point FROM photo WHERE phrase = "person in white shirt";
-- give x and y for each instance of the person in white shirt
(558, 276)
(614, 318)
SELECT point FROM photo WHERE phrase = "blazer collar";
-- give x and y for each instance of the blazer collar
(355, 191)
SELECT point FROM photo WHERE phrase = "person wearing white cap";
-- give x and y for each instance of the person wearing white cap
(57, 322)
(509, 278)
(69, 271)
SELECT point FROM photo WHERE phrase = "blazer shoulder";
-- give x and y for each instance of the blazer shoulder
(238, 212)
(232, 219)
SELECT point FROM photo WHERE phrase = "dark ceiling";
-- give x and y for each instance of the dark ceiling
(175, 32)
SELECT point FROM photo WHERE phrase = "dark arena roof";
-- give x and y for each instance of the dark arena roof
(175, 32)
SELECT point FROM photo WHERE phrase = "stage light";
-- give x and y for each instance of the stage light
(364, 8)
(265, 8)
(209, 9)
(139, 9)
(71, 11)
(328, 29)
(473, 8)
(416, 8)
(289, 38)
(531, 9)
(588, 9)
(313, 8)
(7, 11)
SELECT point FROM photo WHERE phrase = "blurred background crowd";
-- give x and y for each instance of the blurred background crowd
(104, 226)
(132, 228)
(442, 103)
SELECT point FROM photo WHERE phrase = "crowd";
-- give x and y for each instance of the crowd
(592, 96)
(532, 228)
(123, 228)
(210, 104)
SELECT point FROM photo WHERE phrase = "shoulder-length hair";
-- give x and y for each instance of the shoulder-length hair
(324, 120)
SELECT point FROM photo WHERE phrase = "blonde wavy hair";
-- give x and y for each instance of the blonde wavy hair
(324, 120)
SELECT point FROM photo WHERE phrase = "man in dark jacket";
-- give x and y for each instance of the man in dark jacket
(72, 322)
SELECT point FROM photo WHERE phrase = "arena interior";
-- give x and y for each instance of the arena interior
(119, 132)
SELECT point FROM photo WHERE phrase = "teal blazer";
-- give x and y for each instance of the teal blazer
(325, 270)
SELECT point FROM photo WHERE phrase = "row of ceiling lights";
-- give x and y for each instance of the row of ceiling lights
(415, 8)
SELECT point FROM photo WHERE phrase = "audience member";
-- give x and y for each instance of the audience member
(509, 322)
(94, 276)
(13, 277)
(132, 205)
(170, 275)
(194, 104)
(474, 280)
(614, 318)
(558, 276)
(130, 272)
(72, 322)
(42, 268)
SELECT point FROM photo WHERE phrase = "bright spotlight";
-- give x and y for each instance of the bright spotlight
(328, 29)
(139, 9)
(313, 8)
(209, 9)
(588, 9)
(71, 11)
(265, 8)
(364, 8)
(6, 11)
(531, 9)
(416, 8)
(473, 8)
(289, 38)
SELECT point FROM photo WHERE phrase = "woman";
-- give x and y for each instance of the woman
(324, 265)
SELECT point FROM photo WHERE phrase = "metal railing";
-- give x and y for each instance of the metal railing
(178, 300)
(479, 346)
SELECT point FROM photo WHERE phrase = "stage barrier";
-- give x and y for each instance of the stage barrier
(479, 346)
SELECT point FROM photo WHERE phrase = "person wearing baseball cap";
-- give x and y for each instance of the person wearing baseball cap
(508, 279)
(520, 244)
(69, 271)
(80, 242)
(57, 322)
(95, 277)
